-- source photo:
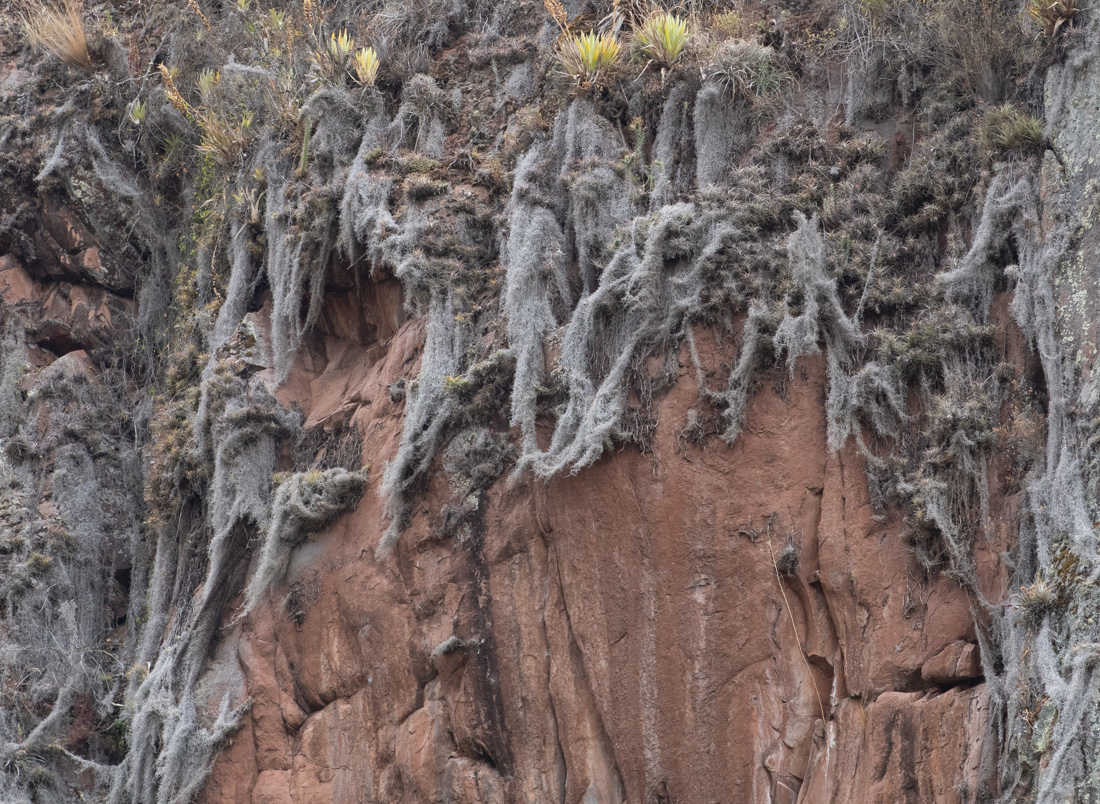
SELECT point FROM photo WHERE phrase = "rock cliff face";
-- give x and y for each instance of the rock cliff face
(665, 625)
(717, 431)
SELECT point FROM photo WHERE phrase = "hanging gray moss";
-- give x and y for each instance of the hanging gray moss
(536, 289)
(822, 319)
(300, 232)
(722, 128)
(174, 708)
(303, 504)
(364, 207)
(12, 367)
(971, 282)
(630, 310)
(652, 283)
(596, 198)
(1057, 543)
(632, 303)
(244, 276)
(173, 733)
(335, 118)
(428, 409)
(418, 122)
(756, 338)
(673, 174)
(62, 522)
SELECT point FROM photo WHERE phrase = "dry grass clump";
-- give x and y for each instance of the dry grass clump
(57, 28)
(224, 139)
(729, 25)
(1051, 15)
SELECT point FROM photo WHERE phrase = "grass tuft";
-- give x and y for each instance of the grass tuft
(748, 70)
(58, 29)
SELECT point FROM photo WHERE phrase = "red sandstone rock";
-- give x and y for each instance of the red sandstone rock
(958, 662)
(918, 748)
(73, 364)
(617, 636)
(66, 228)
(16, 285)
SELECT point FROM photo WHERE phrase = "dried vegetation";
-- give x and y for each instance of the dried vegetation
(58, 28)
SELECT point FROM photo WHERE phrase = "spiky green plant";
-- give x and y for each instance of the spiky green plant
(137, 112)
(663, 37)
(340, 46)
(584, 56)
(208, 82)
(1007, 130)
(366, 65)
(747, 69)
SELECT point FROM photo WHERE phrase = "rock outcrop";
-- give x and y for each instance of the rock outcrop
(474, 435)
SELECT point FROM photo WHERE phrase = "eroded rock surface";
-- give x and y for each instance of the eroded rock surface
(474, 434)
(672, 624)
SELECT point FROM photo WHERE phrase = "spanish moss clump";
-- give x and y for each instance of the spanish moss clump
(1058, 532)
(973, 281)
(756, 341)
(640, 305)
(364, 207)
(300, 231)
(537, 289)
(428, 409)
(673, 174)
(56, 568)
(418, 122)
(303, 504)
(164, 708)
(12, 361)
(721, 134)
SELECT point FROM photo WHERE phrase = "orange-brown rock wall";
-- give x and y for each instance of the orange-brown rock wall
(661, 627)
